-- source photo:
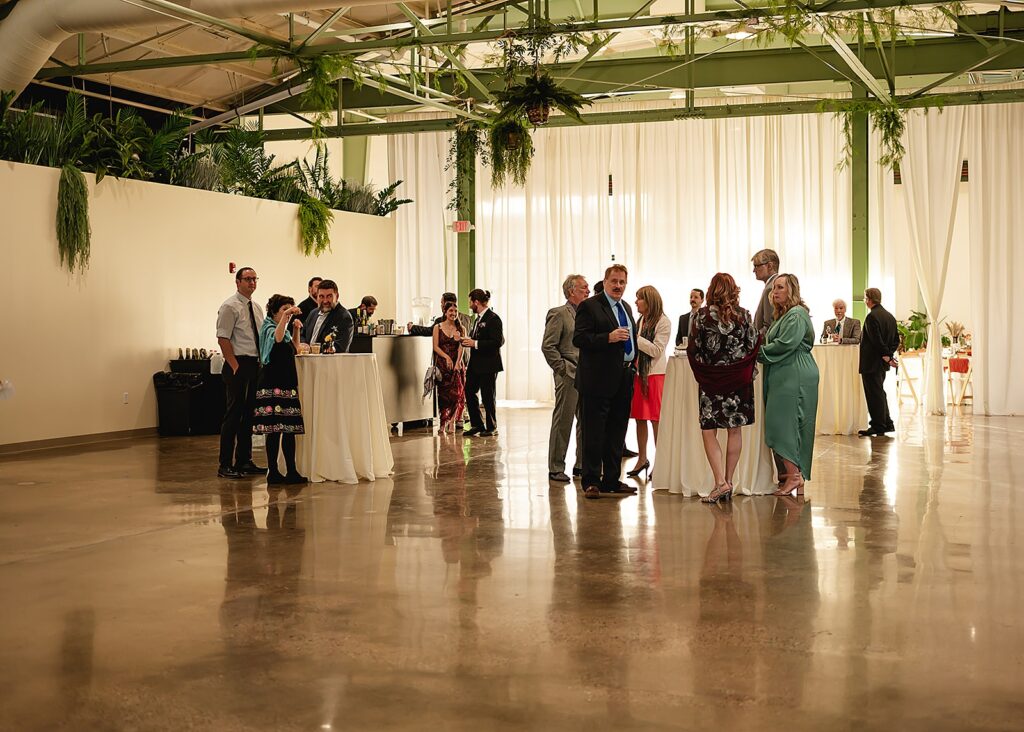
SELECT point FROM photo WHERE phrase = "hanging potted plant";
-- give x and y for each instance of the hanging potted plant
(511, 151)
(534, 97)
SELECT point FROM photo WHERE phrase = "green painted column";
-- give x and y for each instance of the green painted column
(859, 168)
(353, 160)
(465, 181)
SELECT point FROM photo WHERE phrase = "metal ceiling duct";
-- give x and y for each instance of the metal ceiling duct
(35, 28)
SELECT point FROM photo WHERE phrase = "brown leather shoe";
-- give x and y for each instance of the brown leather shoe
(592, 492)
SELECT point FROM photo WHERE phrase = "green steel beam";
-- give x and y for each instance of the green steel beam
(979, 24)
(991, 53)
(465, 181)
(860, 166)
(652, 115)
(323, 27)
(165, 7)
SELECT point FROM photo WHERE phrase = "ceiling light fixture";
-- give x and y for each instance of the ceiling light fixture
(741, 32)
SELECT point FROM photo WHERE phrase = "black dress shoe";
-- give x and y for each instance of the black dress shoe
(489, 433)
(295, 479)
(251, 468)
(869, 433)
(472, 432)
(629, 453)
(577, 472)
(275, 478)
(619, 488)
(229, 472)
(558, 477)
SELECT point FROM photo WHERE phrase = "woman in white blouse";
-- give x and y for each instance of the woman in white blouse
(655, 329)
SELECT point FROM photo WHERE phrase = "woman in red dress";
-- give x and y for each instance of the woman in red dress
(451, 391)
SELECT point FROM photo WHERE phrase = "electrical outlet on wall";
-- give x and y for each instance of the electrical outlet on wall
(124, 398)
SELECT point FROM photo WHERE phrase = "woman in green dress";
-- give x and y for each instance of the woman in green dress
(790, 385)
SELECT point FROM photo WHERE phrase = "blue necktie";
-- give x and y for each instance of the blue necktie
(628, 345)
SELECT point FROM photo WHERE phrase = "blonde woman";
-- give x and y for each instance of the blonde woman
(790, 385)
(655, 329)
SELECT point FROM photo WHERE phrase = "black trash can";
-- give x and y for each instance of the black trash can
(179, 399)
(209, 412)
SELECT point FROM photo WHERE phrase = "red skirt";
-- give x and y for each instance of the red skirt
(648, 407)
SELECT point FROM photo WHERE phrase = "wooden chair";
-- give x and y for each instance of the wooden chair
(903, 377)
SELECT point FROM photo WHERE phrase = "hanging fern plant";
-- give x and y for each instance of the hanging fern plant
(511, 151)
(315, 220)
(73, 232)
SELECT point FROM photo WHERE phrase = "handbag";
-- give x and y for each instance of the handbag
(431, 379)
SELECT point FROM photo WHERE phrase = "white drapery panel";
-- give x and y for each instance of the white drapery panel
(426, 247)
(689, 198)
(931, 175)
(995, 151)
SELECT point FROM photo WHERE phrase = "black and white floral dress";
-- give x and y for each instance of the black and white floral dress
(277, 396)
(715, 343)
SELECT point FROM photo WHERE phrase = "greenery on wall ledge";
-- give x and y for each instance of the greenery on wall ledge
(124, 146)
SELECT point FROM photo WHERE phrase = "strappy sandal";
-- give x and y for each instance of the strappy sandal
(720, 493)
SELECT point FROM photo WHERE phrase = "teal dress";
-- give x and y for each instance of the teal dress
(790, 388)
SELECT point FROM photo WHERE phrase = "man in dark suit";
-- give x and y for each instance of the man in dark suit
(309, 304)
(606, 336)
(367, 307)
(696, 300)
(330, 319)
(485, 341)
(880, 340)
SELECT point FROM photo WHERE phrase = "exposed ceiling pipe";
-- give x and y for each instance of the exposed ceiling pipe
(34, 28)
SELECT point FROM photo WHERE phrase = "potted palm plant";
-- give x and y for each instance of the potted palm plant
(536, 95)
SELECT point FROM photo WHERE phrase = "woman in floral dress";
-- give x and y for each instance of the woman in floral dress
(723, 353)
(278, 413)
(451, 391)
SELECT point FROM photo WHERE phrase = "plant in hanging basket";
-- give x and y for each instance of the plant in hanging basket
(511, 151)
(534, 97)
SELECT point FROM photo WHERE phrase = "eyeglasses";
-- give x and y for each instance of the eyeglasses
(250, 279)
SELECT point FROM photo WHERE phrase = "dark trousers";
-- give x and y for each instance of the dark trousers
(236, 429)
(486, 384)
(605, 420)
(878, 405)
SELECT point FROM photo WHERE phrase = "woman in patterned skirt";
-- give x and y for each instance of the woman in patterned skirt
(723, 353)
(278, 412)
(451, 391)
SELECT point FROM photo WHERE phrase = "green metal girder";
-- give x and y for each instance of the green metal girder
(980, 24)
(860, 166)
(653, 115)
(465, 172)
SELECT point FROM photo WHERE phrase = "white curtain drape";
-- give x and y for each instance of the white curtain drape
(688, 199)
(995, 151)
(426, 247)
(931, 175)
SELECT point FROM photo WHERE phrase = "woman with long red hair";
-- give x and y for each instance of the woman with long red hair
(723, 353)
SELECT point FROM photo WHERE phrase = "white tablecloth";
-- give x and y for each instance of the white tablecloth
(681, 465)
(347, 434)
(842, 409)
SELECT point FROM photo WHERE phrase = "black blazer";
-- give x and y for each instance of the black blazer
(489, 334)
(338, 318)
(307, 306)
(880, 338)
(600, 367)
(684, 328)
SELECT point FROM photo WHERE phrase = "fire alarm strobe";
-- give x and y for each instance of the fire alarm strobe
(462, 227)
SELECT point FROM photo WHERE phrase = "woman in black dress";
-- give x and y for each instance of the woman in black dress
(723, 353)
(278, 412)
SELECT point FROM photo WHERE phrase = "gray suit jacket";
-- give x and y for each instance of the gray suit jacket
(850, 334)
(562, 356)
(765, 314)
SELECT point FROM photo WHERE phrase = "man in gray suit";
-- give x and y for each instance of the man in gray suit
(562, 356)
(766, 269)
(841, 329)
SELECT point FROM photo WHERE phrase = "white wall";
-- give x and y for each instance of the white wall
(74, 344)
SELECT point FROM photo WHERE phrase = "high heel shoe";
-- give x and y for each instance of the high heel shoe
(645, 469)
(722, 492)
(797, 489)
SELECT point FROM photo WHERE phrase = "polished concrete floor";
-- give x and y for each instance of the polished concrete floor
(139, 592)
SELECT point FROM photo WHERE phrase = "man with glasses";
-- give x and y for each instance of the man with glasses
(238, 322)
(766, 269)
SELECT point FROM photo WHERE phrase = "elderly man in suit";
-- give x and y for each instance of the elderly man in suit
(877, 349)
(606, 336)
(766, 269)
(696, 300)
(841, 329)
(330, 319)
(562, 356)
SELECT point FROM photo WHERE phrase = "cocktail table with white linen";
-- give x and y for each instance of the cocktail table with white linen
(347, 433)
(842, 409)
(681, 466)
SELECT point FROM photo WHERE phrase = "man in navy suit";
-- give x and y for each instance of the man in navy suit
(606, 336)
(329, 319)
(485, 340)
